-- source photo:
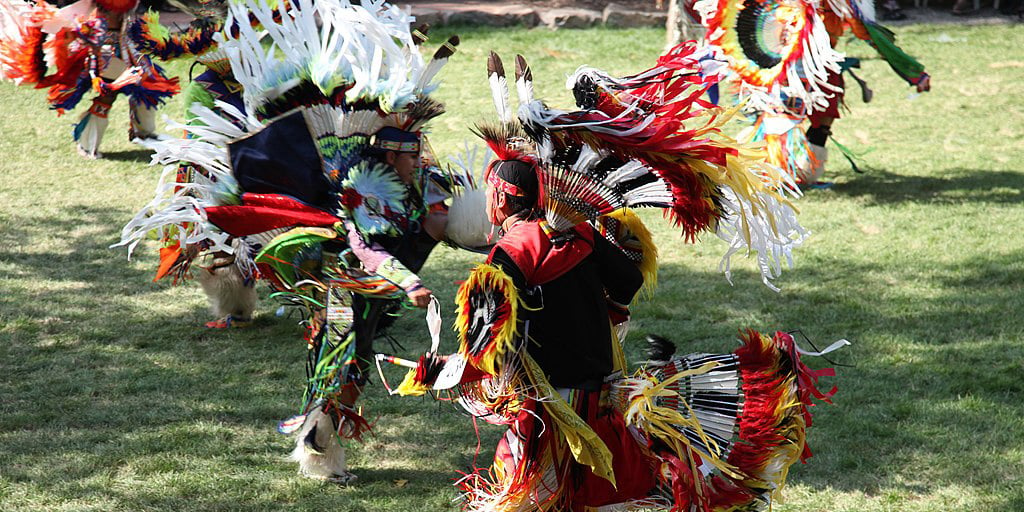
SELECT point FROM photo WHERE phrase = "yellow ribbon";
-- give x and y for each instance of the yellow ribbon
(586, 446)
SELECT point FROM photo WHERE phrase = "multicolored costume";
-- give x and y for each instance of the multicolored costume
(656, 120)
(782, 59)
(229, 284)
(304, 189)
(783, 56)
(859, 17)
(776, 49)
(542, 322)
(86, 46)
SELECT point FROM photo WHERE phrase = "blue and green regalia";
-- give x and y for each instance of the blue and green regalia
(301, 186)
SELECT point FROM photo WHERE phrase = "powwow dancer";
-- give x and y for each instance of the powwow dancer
(537, 354)
(859, 16)
(229, 284)
(537, 350)
(781, 58)
(308, 185)
(88, 47)
(782, 54)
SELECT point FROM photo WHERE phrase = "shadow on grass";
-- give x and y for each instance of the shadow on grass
(142, 156)
(389, 475)
(106, 374)
(105, 381)
(954, 186)
(933, 399)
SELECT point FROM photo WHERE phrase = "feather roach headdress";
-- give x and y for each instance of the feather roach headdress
(574, 188)
(650, 140)
(506, 138)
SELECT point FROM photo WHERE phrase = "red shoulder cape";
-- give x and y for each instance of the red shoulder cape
(537, 257)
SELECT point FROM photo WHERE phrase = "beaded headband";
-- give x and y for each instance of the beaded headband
(394, 139)
(401, 147)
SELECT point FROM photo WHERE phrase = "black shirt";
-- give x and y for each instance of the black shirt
(569, 331)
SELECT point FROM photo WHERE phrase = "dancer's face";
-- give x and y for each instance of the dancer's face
(405, 165)
(495, 206)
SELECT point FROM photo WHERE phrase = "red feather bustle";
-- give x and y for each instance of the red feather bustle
(658, 117)
(774, 378)
(24, 63)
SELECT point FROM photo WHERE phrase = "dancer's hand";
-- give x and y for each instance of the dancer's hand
(925, 84)
(420, 297)
(130, 76)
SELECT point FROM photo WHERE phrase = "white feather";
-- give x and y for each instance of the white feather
(866, 10)
(499, 95)
(524, 89)
(630, 170)
(176, 205)
(587, 159)
(654, 193)
(468, 225)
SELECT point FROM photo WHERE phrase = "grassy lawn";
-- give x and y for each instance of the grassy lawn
(113, 397)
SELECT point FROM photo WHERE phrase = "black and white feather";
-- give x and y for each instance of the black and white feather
(524, 81)
(499, 87)
(714, 398)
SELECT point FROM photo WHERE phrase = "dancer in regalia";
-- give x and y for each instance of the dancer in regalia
(542, 322)
(230, 285)
(316, 187)
(789, 74)
(82, 48)
(859, 17)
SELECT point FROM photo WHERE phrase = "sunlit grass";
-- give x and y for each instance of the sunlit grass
(113, 397)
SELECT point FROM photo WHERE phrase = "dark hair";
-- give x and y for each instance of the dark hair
(522, 175)
(376, 144)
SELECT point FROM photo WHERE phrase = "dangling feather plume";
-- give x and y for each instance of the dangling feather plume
(649, 139)
(423, 84)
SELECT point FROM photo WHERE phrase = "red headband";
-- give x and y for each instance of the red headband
(497, 182)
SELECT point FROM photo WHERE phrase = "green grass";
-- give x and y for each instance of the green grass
(113, 397)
